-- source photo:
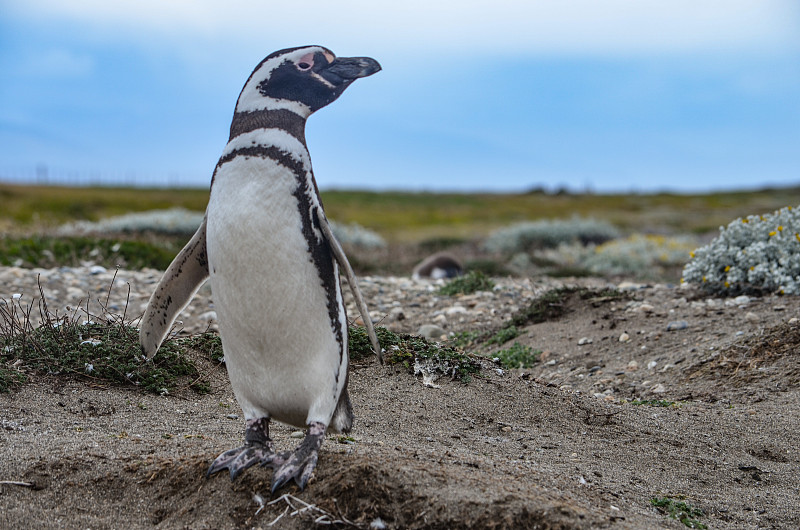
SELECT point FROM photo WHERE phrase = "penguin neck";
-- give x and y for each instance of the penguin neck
(285, 120)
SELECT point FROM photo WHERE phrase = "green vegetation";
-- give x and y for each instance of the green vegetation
(47, 251)
(469, 283)
(411, 350)
(552, 304)
(679, 510)
(414, 216)
(518, 356)
(465, 339)
(504, 335)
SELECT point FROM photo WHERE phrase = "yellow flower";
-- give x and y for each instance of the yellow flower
(727, 284)
(704, 279)
(752, 267)
(780, 228)
(745, 221)
(691, 254)
(772, 233)
(727, 268)
(797, 235)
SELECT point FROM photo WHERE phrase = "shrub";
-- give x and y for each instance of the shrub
(532, 235)
(759, 252)
(357, 236)
(518, 356)
(174, 221)
(471, 282)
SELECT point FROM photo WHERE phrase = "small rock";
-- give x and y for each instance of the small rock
(208, 316)
(677, 324)
(741, 300)
(232, 416)
(658, 389)
(297, 434)
(584, 340)
(794, 320)
(396, 314)
(455, 310)
(624, 337)
(431, 332)
(377, 524)
(645, 308)
(751, 317)
(632, 366)
(651, 365)
(97, 269)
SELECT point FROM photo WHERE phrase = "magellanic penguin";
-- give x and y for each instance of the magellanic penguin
(273, 264)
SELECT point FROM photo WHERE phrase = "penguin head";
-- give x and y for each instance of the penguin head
(302, 80)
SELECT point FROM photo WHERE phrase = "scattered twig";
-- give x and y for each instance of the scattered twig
(16, 483)
(321, 517)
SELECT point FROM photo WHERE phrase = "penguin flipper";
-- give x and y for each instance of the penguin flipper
(182, 279)
(340, 256)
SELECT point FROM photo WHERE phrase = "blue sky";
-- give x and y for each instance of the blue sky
(618, 95)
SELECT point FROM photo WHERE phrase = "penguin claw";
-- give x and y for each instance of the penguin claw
(236, 461)
(300, 464)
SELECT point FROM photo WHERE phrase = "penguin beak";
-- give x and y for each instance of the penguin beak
(348, 69)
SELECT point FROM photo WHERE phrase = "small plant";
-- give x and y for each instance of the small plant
(415, 353)
(518, 356)
(465, 339)
(759, 252)
(504, 335)
(105, 348)
(679, 510)
(356, 235)
(469, 283)
(552, 304)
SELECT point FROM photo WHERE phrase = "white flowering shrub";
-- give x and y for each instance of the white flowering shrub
(175, 221)
(531, 235)
(357, 236)
(638, 255)
(758, 252)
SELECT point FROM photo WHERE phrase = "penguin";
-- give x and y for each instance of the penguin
(438, 266)
(273, 264)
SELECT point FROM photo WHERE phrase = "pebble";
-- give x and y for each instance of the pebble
(632, 366)
(232, 416)
(624, 337)
(677, 324)
(752, 317)
(297, 434)
(584, 340)
(658, 389)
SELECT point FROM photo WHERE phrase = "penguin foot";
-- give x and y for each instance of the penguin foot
(300, 464)
(257, 449)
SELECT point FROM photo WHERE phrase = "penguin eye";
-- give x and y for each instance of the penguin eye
(304, 66)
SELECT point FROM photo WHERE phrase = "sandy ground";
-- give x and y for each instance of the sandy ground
(577, 441)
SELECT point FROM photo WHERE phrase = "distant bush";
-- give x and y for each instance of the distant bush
(357, 236)
(174, 221)
(758, 252)
(471, 282)
(532, 235)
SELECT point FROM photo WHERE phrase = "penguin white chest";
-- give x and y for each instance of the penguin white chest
(276, 294)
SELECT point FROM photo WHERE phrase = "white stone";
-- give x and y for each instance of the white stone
(584, 340)
(624, 337)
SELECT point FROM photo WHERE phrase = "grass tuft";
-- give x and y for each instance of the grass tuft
(412, 351)
(469, 283)
(103, 347)
(679, 510)
(518, 356)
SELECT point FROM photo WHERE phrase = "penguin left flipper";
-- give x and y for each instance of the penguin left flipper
(183, 278)
(340, 256)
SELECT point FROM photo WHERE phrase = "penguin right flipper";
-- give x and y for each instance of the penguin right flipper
(340, 256)
(183, 278)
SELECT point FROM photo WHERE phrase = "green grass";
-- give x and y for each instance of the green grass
(518, 356)
(679, 510)
(441, 218)
(504, 335)
(553, 304)
(48, 251)
(407, 350)
(471, 282)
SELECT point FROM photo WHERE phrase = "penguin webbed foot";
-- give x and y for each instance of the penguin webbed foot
(257, 449)
(301, 463)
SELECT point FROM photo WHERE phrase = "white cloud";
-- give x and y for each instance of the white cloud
(608, 27)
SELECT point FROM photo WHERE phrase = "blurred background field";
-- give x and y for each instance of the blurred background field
(646, 236)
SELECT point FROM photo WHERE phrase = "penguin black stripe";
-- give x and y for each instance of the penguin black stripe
(285, 120)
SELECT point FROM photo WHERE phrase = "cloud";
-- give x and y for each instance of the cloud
(585, 27)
